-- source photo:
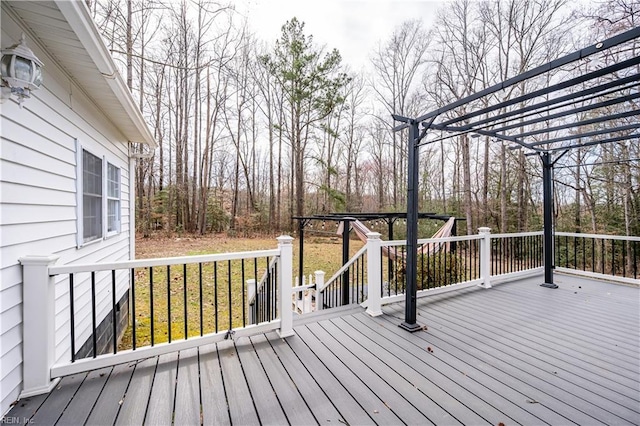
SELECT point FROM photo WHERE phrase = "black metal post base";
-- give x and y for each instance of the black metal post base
(549, 285)
(411, 327)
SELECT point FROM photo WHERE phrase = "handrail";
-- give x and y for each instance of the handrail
(343, 269)
(433, 240)
(143, 263)
(599, 236)
(518, 234)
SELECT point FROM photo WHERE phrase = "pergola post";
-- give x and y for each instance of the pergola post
(547, 200)
(410, 308)
(301, 225)
(346, 228)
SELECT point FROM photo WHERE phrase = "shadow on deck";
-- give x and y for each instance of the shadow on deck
(517, 353)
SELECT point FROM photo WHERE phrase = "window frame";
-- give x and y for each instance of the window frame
(105, 197)
(118, 198)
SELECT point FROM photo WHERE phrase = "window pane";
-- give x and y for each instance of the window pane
(113, 198)
(113, 213)
(91, 196)
(92, 217)
(92, 174)
(113, 182)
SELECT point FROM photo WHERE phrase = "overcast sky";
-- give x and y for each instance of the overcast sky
(354, 27)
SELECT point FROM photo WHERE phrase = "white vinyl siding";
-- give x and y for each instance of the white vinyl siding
(39, 206)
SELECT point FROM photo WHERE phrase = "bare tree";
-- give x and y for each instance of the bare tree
(397, 64)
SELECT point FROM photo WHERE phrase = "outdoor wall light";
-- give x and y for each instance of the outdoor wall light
(21, 71)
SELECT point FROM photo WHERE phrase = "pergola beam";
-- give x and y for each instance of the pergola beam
(576, 93)
(580, 54)
(547, 90)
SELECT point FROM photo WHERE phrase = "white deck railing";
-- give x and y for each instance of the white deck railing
(478, 260)
(610, 257)
(475, 260)
(40, 363)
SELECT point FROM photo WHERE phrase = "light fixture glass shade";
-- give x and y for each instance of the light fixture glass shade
(21, 69)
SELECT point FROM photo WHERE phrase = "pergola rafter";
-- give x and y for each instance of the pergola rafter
(597, 107)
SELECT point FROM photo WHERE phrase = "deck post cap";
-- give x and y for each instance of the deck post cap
(284, 239)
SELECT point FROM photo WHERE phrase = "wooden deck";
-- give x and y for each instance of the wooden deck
(515, 354)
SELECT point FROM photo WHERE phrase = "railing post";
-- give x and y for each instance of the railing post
(285, 283)
(319, 284)
(306, 301)
(485, 257)
(38, 325)
(251, 294)
(374, 274)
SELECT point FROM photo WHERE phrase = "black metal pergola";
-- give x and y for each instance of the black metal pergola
(389, 218)
(604, 92)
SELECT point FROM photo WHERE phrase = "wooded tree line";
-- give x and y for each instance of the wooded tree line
(254, 132)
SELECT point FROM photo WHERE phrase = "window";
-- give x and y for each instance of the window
(98, 198)
(113, 198)
(91, 197)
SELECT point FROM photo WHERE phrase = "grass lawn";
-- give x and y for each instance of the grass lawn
(222, 291)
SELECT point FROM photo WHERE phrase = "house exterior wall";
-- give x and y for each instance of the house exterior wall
(38, 206)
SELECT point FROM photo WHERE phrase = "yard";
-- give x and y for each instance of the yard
(221, 284)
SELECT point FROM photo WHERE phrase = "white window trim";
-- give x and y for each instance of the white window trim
(106, 198)
(104, 202)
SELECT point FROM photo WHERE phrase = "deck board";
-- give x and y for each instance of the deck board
(239, 398)
(52, 408)
(322, 409)
(26, 408)
(163, 390)
(105, 411)
(264, 397)
(399, 393)
(563, 335)
(514, 354)
(385, 383)
(361, 394)
(136, 399)
(580, 360)
(214, 401)
(487, 388)
(187, 408)
(79, 408)
(443, 387)
(290, 399)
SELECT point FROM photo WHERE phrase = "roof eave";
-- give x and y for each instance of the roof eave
(78, 17)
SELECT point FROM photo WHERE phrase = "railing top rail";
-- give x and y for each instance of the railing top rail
(599, 236)
(517, 234)
(143, 263)
(299, 288)
(344, 268)
(433, 240)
